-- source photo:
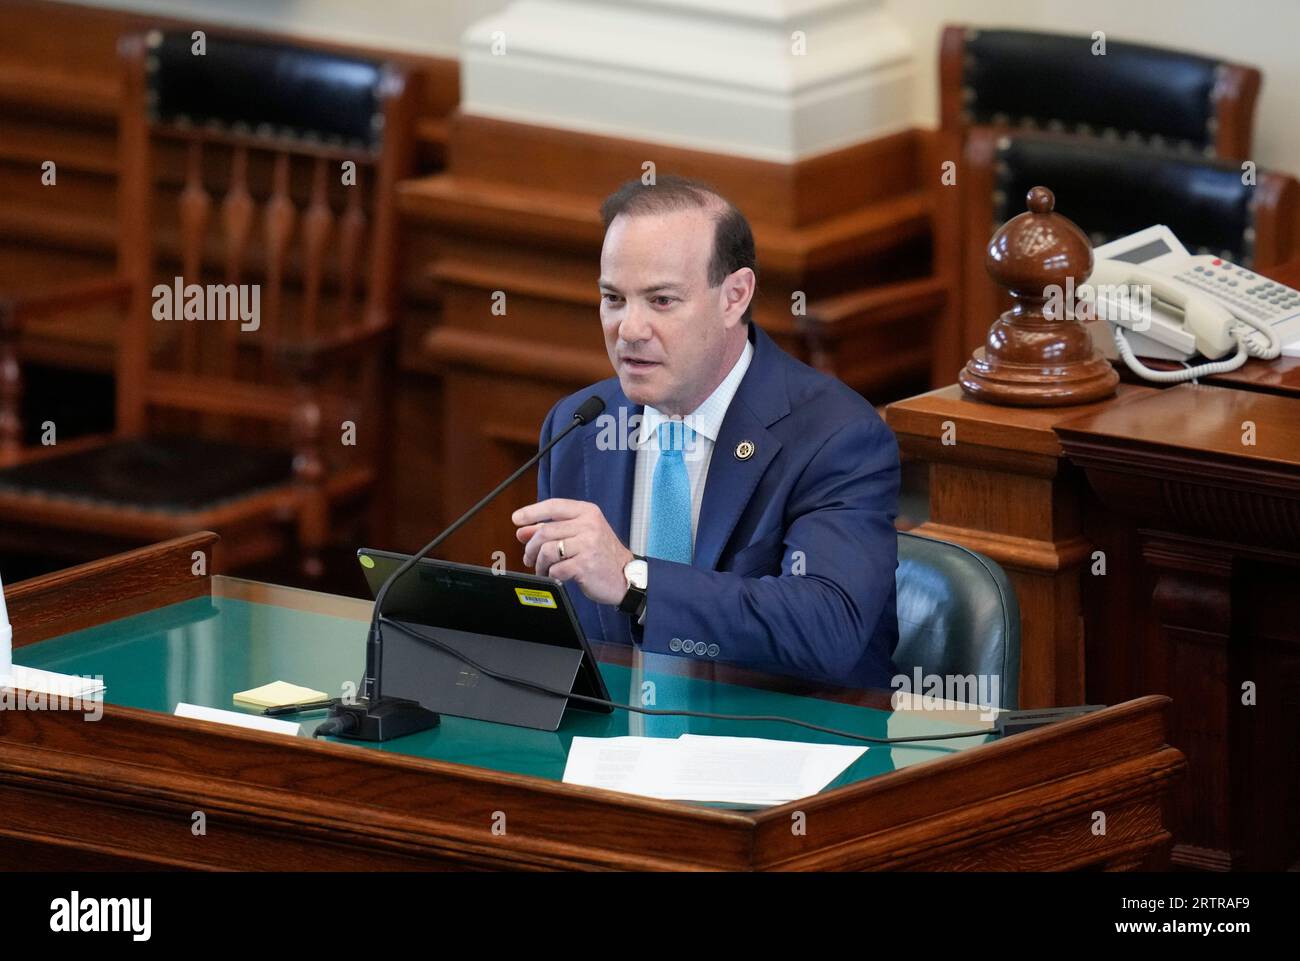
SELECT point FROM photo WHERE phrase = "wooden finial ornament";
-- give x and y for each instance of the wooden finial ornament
(1038, 354)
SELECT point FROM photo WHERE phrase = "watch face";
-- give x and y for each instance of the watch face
(637, 573)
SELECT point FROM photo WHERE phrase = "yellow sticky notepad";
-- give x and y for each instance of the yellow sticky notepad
(277, 693)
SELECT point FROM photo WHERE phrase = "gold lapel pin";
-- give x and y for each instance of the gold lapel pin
(745, 450)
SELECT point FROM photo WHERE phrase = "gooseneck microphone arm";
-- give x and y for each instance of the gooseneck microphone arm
(359, 721)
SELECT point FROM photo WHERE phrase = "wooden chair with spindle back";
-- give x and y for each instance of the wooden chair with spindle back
(253, 175)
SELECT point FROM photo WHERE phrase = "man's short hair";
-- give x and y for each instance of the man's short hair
(733, 240)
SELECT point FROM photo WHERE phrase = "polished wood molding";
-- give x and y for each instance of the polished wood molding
(569, 220)
(448, 347)
(110, 588)
(590, 166)
(291, 804)
(1201, 459)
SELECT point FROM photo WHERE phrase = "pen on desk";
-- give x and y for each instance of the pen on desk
(297, 708)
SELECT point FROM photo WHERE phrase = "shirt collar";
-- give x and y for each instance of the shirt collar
(707, 418)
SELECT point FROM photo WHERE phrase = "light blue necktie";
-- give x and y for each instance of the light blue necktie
(670, 497)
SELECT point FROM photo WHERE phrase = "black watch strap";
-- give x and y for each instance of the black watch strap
(633, 604)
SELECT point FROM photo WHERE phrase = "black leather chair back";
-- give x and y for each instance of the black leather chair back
(957, 615)
(1143, 95)
(265, 89)
(1112, 190)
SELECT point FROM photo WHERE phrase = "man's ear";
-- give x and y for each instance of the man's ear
(737, 291)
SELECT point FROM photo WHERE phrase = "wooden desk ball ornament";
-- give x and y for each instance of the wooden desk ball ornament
(1038, 354)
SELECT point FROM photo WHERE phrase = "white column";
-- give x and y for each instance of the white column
(775, 80)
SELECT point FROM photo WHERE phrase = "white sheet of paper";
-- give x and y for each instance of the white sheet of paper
(254, 721)
(695, 767)
(48, 682)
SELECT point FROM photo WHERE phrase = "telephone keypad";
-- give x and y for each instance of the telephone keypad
(1264, 300)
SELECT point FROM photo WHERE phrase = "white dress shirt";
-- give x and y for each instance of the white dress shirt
(706, 420)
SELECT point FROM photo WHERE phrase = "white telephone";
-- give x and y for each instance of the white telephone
(1177, 305)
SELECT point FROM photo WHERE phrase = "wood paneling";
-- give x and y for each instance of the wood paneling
(1212, 512)
(790, 195)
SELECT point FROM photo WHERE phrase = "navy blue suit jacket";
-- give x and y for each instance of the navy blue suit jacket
(795, 548)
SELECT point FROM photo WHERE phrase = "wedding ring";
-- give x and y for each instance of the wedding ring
(561, 543)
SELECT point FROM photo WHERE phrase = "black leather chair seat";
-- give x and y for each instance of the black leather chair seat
(165, 474)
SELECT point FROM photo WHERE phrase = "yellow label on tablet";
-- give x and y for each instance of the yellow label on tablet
(531, 598)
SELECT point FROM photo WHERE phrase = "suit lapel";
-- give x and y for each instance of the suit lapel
(731, 480)
(743, 451)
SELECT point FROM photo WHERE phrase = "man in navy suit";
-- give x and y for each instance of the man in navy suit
(732, 503)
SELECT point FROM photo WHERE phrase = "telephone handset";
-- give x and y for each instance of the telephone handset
(1197, 305)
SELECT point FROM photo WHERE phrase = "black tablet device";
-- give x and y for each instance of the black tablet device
(521, 625)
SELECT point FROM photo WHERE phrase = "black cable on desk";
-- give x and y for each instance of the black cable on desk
(667, 712)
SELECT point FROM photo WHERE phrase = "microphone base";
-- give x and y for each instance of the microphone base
(386, 719)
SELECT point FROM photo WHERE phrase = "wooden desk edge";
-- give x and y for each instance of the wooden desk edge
(857, 825)
(112, 587)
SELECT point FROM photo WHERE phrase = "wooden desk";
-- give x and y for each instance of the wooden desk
(122, 791)
(1208, 478)
(1154, 551)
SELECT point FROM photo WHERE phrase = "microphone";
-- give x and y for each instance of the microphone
(374, 717)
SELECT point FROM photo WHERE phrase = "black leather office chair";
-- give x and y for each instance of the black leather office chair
(1150, 97)
(1134, 97)
(1112, 190)
(957, 615)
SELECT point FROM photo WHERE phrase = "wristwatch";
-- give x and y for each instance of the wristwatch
(637, 573)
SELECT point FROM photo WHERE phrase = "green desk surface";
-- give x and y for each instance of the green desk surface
(248, 634)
